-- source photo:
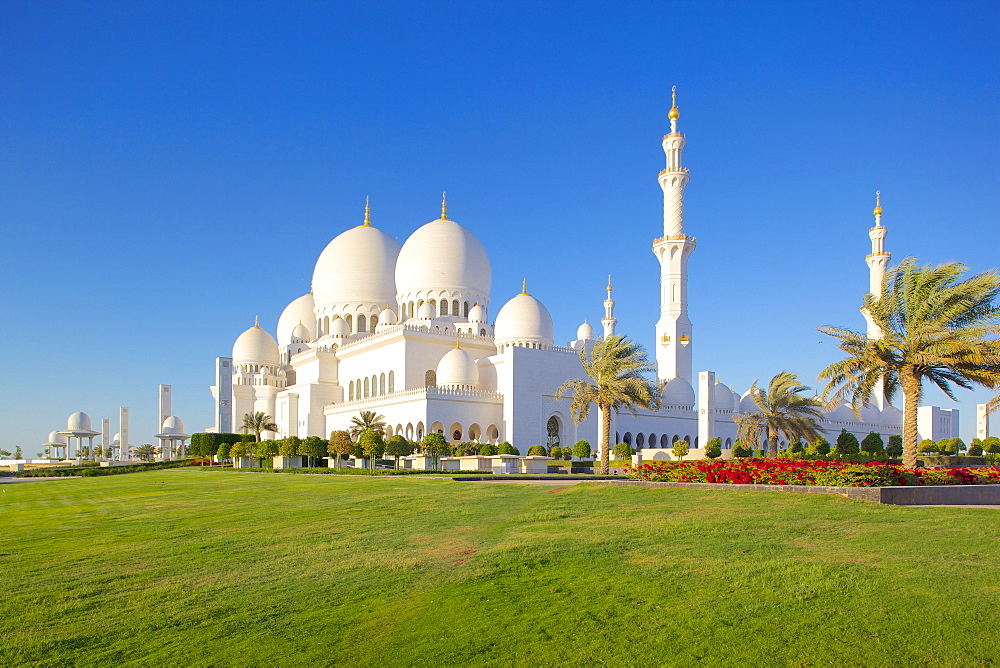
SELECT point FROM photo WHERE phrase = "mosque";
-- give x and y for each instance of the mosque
(411, 333)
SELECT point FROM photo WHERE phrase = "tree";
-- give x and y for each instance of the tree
(265, 451)
(372, 446)
(435, 445)
(556, 452)
(928, 447)
(367, 421)
(581, 450)
(796, 447)
(223, 451)
(5, 453)
(819, 446)
(934, 326)
(397, 446)
(872, 444)
(506, 448)
(894, 448)
(487, 450)
(847, 444)
(536, 451)
(615, 380)
(257, 423)
(713, 449)
(680, 449)
(237, 451)
(623, 451)
(782, 409)
(17, 452)
(145, 452)
(313, 448)
(958, 445)
(944, 447)
(991, 445)
(340, 445)
(976, 448)
(741, 451)
(289, 447)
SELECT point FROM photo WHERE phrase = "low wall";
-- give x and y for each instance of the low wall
(958, 495)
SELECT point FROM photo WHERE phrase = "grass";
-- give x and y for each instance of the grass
(196, 567)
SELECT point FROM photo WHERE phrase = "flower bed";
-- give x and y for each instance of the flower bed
(806, 472)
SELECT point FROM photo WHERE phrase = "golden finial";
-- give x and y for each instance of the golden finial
(524, 286)
(878, 203)
(457, 346)
(444, 206)
(609, 282)
(675, 113)
(256, 322)
(368, 214)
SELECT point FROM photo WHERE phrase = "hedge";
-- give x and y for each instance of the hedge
(91, 471)
(343, 471)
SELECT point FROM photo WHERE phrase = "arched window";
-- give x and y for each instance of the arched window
(373, 322)
(366, 388)
(482, 332)
(430, 379)
(652, 440)
(326, 325)
(674, 439)
(347, 319)
(350, 393)
(640, 439)
(361, 324)
(729, 443)
(663, 441)
(434, 305)
(381, 384)
(627, 438)
(688, 439)
(392, 382)
(466, 308)
(374, 386)
(444, 307)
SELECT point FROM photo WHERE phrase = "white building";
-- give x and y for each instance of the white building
(406, 331)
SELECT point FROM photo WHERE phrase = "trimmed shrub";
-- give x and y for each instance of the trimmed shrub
(872, 443)
(581, 449)
(507, 449)
(487, 450)
(895, 446)
(741, 451)
(536, 451)
(623, 451)
(713, 449)
(847, 444)
(820, 447)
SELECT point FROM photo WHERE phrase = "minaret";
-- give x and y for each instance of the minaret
(673, 329)
(609, 321)
(878, 261)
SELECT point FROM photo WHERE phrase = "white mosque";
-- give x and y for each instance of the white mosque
(410, 333)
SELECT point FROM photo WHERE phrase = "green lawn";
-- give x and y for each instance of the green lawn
(190, 567)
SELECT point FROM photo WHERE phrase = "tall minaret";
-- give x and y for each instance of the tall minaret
(877, 261)
(609, 321)
(673, 329)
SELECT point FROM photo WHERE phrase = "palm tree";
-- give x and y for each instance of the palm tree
(367, 420)
(257, 423)
(935, 326)
(783, 409)
(614, 381)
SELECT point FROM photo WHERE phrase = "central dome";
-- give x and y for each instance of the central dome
(443, 258)
(357, 268)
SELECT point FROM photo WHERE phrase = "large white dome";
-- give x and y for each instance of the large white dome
(172, 425)
(722, 397)
(457, 369)
(357, 267)
(747, 404)
(300, 310)
(585, 332)
(79, 421)
(443, 256)
(677, 392)
(524, 320)
(257, 346)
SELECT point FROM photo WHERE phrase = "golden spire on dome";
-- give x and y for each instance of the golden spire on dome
(878, 203)
(457, 346)
(444, 206)
(675, 113)
(368, 214)
(524, 286)
(256, 322)
(609, 283)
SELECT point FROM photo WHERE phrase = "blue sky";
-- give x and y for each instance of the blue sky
(170, 170)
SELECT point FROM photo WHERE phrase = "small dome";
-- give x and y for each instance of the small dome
(477, 314)
(300, 334)
(299, 312)
(256, 345)
(79, 421)
(871, 414)
(524, 319)
(678, 392)
(357, 267)
(457, 369)
(842, 413)
(443, 255)
(585, 332)
(892, 415)
(426, 311)
(116, 439)
(387, 317)
(56, 437)
(172, 425)
(747, 404)
(339, 327)
(722, 397)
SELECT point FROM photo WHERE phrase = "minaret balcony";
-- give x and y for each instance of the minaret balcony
(675, 237)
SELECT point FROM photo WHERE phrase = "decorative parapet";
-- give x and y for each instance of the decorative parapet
(416, 393)
(682, 170)
(395, 329)
(675, 237)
